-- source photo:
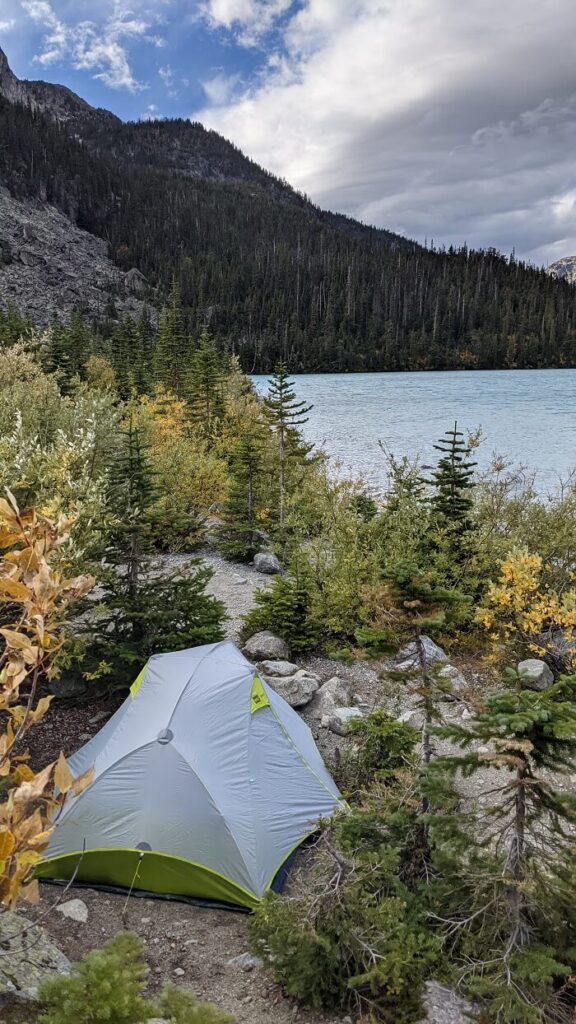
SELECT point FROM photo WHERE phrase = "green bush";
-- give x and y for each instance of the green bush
(381, 747)
(284, 609)
(181, 1007)
(108, 986)
(355, 944)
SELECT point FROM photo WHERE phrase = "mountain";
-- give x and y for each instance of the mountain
(564, 269)
(272, 275)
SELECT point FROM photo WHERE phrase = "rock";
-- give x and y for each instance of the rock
(267, 563)
(332, 694)
(28, 958)
(341, 719)
(76, 910)
(444, 1006)
(135, 282)
(99, 717)
(245, 961)
(265, 645)
(458, 684)
(297, 690)
(239, 581)
(536, 674)
(179, 972)
(407, 659)
(278, 668)
(411, 718)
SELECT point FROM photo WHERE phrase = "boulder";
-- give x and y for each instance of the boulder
(297, 690)
(263, 646)
(278, 668)
(28, 958)
(444, 1006)
(407, 659)
(267, 563)
(76, 910)
(245, 961)
(458, 684)
(135, 281)
(334, 693)
(341, 720)
(536, 674)
(412, 717)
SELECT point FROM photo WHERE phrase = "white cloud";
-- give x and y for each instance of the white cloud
(220, 88)
(250, 20)
(100, 47)
(7, 26)
(441, 119)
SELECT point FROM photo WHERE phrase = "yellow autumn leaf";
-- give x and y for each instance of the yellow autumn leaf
(7, 843)
(30, 892)
(83, 781)
(62, 775)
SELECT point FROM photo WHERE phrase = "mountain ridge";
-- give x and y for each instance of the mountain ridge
(272, 275)
(564, 269)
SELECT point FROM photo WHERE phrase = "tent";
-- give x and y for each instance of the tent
(205, 782)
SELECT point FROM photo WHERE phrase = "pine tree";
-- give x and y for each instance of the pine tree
(452, 482)
(508, 890)
(204, 388)
(286, 415)
(144, 613)
(240, 535)
(416, 605)
(172, 346)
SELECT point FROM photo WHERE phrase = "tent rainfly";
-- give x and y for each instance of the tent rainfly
(205, 782)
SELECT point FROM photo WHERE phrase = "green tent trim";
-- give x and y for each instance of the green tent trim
(160, 873)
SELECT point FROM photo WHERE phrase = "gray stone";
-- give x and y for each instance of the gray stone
(297, 690)
(76, 910)
(28, 958)
(341, 720)
(334, 693)
(444, 1006)
(458, 684)
(278, 668)
(263, 646)
(407, 659)
(100, 716)
(412, 718)
(245, 961)
(267, 563)
(135, 282)
(179, 972)
(536, 674)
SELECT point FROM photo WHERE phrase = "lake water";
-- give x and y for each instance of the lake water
(529, 416)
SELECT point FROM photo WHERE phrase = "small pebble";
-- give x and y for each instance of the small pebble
(179, 972)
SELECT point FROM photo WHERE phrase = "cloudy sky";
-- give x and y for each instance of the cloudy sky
(452, 120)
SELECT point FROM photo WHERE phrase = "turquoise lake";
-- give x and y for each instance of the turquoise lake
(528, 416)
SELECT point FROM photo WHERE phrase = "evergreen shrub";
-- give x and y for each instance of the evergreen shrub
(108, 987)
(285, 609)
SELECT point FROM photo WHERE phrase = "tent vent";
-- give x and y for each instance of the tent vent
(165, 736)
(143, 846)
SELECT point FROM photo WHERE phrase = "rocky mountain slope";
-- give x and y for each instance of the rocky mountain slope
(48, 266)
(564, 269)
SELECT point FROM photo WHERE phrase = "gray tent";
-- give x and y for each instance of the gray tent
(205, 783)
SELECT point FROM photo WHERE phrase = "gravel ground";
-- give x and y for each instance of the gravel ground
(184, 944)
